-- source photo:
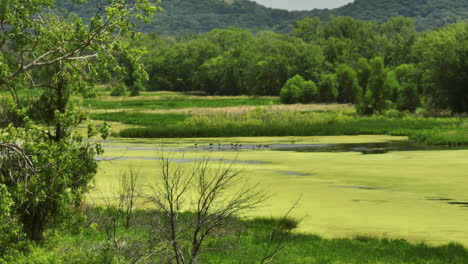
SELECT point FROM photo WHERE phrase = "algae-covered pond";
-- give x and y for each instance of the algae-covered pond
(349, 185)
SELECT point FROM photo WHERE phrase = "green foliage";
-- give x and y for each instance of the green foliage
(375, 99)
(231, 62)
(308, 29)
(407, 95)
(10, 230)
(376, 66)
(120, 89)
(291, 93)
(45, 166)
(328, 88)
(444, 58)
(309, 92)
(348, 87)
(363, 70)
(44, 188)
(297, 89)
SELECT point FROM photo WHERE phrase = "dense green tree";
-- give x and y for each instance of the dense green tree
(407, 97)
(272, 63)
(298, 90)
(309, 92)
(175, 66)
(236, 61)
(375, 99)
(400, 33)
(443, 55)
(328, 88)
(45, 165)
(227, 73)
(349, 90)
(277, 58)
(339, 51)
(132, 71)
(308, 29)
(232, 61)
(363, 72)
(291, 92)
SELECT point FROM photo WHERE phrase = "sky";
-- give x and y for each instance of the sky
(303, 4)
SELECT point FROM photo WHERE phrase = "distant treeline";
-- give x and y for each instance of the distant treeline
(376, 66)
(185, 17)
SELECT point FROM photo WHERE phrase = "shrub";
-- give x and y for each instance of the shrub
(421, 112)
(136, 88)
(393, 113)
(9, 229)
(291, 92)
(119, 89)
(298, 90)
(309, 92)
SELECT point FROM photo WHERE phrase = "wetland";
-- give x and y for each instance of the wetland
(378, 186)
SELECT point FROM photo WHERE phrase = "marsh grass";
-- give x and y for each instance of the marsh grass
(177, 103)
(141, 119)
(237, 109)
(251, 236)
(260, 122)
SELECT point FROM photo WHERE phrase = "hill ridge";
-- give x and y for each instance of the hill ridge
(185, 17)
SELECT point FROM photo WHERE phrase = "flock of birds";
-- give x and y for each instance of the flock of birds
(236, 146)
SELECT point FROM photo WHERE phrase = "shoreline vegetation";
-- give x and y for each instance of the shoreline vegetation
(262, 122)
(253, 238)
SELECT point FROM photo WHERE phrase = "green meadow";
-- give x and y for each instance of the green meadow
(186, 116)
(177, 103)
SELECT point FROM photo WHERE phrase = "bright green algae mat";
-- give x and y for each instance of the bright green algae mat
(396, 195)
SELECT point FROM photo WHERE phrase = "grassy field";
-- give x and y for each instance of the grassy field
(179, 115)
(171, 103)
(437, 131)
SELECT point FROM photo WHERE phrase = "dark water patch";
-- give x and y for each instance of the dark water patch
(178, 160)
(364, 148)
(354, 187)
(449, 201)
(293, 173)
(442, 199)
(462, 204)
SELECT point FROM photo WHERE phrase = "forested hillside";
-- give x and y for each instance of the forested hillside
(428, 14)
(181, 17)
